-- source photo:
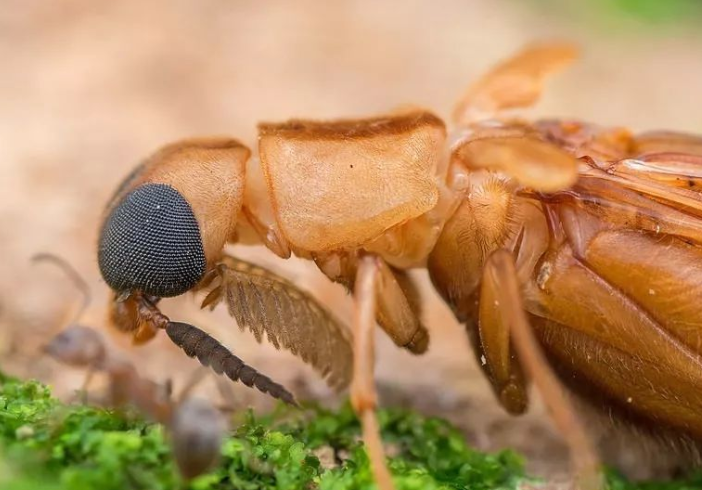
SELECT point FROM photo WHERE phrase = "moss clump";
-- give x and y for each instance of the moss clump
(654, 11)
(49, 445)
(45, 444)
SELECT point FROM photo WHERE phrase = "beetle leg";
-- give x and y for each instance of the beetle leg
(363, 394)
(500, 277)
(138, 315)
(398, 304)
(397, 310)
(497, 357)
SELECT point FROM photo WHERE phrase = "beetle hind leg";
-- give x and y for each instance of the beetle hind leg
(500, 285)
(363, 393)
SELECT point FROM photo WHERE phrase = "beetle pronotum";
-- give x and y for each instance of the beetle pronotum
(526, 229)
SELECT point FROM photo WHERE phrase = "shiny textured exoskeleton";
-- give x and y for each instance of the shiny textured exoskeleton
(559, 235)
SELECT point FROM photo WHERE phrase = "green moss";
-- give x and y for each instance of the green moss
(614, 18)
(48, 445)
(653, 11)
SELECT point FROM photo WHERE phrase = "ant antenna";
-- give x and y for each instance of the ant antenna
(72, 274)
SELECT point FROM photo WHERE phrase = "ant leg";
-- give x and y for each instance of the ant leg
(224, 389)
(500, 279)
(81, 394)
(89, 373)
(191, 383)
(168, 388)
(363, 394)
(226, 393)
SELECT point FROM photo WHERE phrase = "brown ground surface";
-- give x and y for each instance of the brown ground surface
(89, 88)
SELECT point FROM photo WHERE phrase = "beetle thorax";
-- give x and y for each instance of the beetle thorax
(342, 185)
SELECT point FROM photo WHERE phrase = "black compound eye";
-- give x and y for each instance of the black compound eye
(151, 242)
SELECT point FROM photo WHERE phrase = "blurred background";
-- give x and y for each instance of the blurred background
(89, 88)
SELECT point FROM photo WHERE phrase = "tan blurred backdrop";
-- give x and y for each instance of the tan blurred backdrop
(88, 88)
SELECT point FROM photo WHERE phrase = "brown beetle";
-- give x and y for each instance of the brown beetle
(558, 235)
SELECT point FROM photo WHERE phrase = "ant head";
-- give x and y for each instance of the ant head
(77, 346)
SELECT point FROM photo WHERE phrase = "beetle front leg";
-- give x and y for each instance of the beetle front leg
(137, 315)
(363, 393)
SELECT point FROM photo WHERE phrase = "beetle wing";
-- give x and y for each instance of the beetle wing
(532, 162)
(267, 303)
(671, 168)
(643, 195)
(516, 82)
(640, 204)
(667, 141)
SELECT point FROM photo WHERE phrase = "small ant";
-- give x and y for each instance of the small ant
(195, 426)
(193, 341)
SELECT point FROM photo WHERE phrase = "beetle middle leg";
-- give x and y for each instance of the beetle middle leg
(500, 284)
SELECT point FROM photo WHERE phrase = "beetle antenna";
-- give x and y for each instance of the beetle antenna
(72, 274)
(196, 343)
